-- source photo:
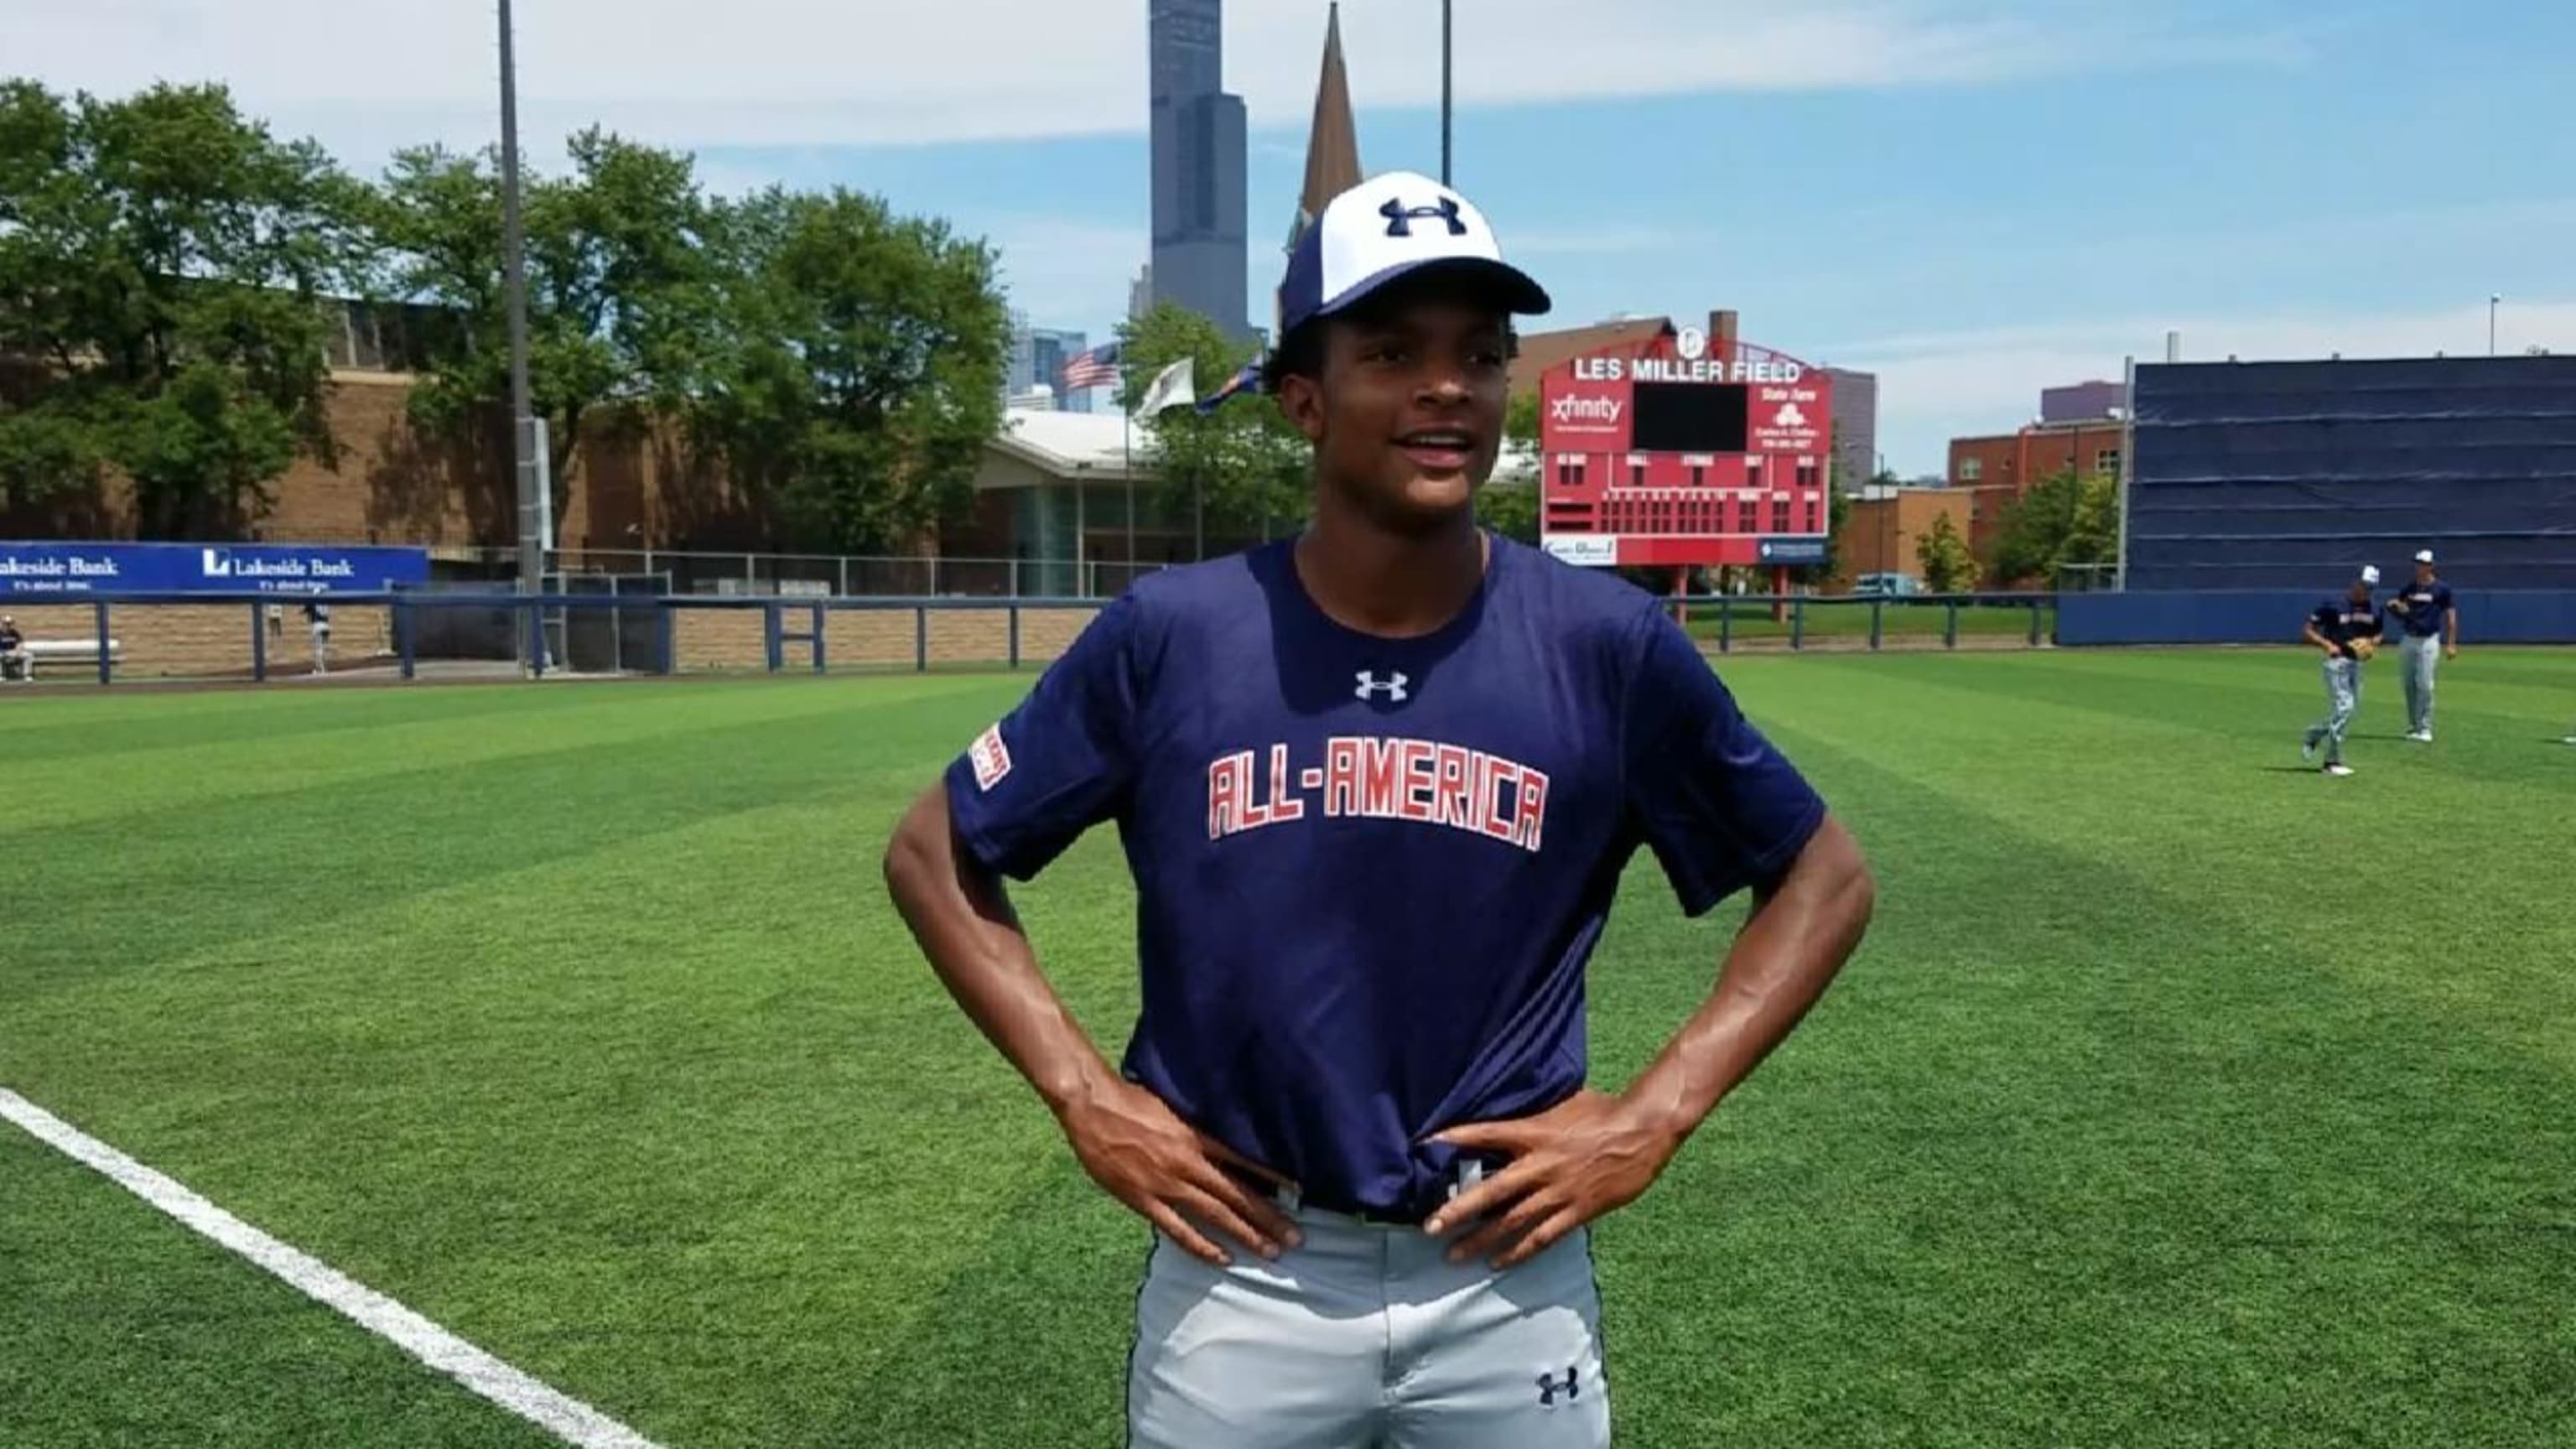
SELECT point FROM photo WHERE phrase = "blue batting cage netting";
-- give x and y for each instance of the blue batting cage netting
(2291, 475)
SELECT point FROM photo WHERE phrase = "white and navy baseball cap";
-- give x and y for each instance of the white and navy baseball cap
(1392, 226)
(2370, 574)
(2423, 555)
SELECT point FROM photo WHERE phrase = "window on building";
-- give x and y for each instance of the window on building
(1971, 469)
(2107, 462)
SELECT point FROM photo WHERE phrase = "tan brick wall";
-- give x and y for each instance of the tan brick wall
(718, 639)
(1046, 633)
(864, 638)
(197, 640)
(193, 640)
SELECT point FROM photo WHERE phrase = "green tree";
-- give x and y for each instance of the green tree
(2064, 519)
(858, 373)
(623, 284)
(164, 262)
(1509, 502)
(1241, 467)
(1948, 565)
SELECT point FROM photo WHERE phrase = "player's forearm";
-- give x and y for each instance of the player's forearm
(963, 920)
(1787, 954)
(2451, 627)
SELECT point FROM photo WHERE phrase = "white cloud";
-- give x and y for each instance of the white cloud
(1939, 385)
(365, 75)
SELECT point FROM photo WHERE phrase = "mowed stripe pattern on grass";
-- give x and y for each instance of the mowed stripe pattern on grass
(581, 1026)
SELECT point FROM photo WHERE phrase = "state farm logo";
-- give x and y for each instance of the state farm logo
(1586, 414)
(1790, 417)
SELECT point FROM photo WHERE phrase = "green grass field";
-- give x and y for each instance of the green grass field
(2179, 1097)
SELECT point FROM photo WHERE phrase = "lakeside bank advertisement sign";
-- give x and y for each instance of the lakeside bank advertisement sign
(194, 568)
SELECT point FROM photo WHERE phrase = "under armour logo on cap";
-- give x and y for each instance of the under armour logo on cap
(1400, 217)
(1390, 689)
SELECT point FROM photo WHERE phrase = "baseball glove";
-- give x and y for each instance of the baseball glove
(2363, 649)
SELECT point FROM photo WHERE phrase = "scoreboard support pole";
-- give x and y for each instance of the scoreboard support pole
(1780, 593)
(1681, 591)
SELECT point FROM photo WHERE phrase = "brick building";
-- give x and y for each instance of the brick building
(1884, 526)
(1995, 470)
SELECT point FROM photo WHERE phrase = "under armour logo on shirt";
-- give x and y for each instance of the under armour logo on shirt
(1549, 1388)
(1400, 217)
(1390, 689)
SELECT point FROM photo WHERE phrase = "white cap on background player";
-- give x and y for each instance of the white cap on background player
(2423, 555)
(1387, 227)
(2370, 574)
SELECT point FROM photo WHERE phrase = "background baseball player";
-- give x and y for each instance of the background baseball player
(2348, 631)
(317, 614)
(2429, 626)
(1376, 786)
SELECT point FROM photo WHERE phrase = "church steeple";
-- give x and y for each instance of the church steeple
(1333, 145)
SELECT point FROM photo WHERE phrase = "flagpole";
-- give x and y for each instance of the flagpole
(1127, 450)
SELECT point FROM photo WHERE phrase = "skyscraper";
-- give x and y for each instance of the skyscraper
(1855, 427)
(1038, 356)
(1198, 145)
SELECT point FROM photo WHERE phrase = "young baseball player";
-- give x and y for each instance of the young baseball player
(317, 614)
(1376, 786)
(2348, 631)
(2430, 625)
(13, 652)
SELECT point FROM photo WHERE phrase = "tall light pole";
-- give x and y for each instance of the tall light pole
(2493, 300)
(1444, 92)
(533, 505)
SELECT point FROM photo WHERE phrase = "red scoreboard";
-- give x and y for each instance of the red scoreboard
(1672, 452)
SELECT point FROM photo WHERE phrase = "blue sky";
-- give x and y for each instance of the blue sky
(1975, 200)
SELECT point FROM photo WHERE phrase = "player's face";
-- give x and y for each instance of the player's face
(1407, 413)
(2361, 593)
(2423, 573)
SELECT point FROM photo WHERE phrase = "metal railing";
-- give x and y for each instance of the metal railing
(1799, 622)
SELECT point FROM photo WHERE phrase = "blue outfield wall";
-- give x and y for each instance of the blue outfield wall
(2268, 475)
(2274, 616)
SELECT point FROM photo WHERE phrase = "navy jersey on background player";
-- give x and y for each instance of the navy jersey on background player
(1370, 870)
(2341, 621)
(2425, 606)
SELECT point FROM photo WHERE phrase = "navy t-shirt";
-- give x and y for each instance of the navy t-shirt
(1370, 871)
(2425, 606)
(2341, 621)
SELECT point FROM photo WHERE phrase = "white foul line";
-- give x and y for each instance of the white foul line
(567, 1418)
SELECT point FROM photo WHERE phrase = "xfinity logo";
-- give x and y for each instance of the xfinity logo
(1604, 410)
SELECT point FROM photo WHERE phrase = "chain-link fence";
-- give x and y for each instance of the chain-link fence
(789, 575)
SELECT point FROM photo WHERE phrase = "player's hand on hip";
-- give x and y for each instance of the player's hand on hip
(1584, 1157)
(1141, 1152)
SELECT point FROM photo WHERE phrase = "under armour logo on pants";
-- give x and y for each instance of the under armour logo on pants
(1549, 1388)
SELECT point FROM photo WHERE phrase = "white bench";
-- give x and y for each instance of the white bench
(67, 651)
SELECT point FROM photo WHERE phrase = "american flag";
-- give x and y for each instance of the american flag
(1096, 368)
